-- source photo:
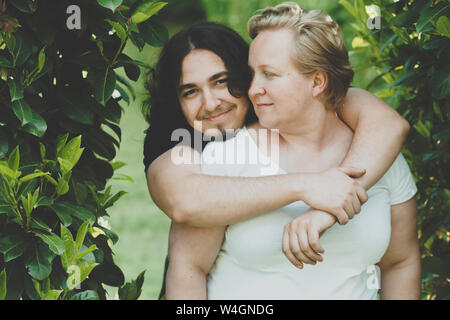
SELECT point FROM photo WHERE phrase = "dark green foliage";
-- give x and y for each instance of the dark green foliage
(56, 99)
(411, 54)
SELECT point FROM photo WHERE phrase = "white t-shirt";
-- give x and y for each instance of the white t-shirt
(251, 264)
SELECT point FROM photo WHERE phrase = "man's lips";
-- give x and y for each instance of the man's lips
(218, 116)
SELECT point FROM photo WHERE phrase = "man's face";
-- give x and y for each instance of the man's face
(204, 96)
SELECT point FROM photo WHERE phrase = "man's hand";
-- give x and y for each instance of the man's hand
(301, 237)
(335, 191)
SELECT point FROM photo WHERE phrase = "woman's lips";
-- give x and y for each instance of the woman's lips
(263, 105)
(219, 116)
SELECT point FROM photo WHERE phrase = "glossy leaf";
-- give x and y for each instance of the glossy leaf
(153, 33)
(147, 10)
(103, 82)
(85, 295)
(110, 4)
(53, 241)
(3, 284)
(15, 90)
(22, 111)
(39, 261)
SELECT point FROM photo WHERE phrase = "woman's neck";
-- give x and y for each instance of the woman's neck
(315, 130)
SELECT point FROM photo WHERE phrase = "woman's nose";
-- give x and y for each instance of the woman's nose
(255, 89)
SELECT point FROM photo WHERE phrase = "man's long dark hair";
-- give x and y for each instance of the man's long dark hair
(162, 108)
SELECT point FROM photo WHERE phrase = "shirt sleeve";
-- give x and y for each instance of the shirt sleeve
(401, 182)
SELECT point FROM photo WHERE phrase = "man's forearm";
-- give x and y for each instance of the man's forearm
(401, 282)
(230, 199)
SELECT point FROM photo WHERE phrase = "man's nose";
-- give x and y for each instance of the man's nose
(211, 101)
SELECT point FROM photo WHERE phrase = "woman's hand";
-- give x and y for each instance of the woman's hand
(301, 237)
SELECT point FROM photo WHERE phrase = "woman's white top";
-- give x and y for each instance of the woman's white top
(251, 264)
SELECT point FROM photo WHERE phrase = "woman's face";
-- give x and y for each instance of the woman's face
(279, 92)
(204, 97)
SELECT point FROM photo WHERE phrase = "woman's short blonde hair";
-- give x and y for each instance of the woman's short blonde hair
(319, 45)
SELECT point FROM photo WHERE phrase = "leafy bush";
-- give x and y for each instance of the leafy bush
(410, 52)
(59, 130)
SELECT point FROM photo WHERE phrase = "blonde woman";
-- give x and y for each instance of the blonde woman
(301, 74)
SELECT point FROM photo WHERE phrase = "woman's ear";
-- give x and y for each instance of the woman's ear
(320, 81)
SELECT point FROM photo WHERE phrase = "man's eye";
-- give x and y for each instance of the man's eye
(268, 74)
(188, 93)
(221, 81)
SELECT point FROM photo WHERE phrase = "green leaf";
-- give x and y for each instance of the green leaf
(39, 261)
(81, 254)
(5, 208)
(85, 295)
(427, 16)
(55, 243)
(38, 224)
(146, 10)
(15, 89)
(62, 140)
(52, 295)
(443, 26)
(74, 210)
(12, 246)
(22, 111)
(62, 214)
(349, 8)
(41, 59)
(110, 234)
(5, 62)
(86, 268)
(120, 31)
(22, 49)
(43, 201)
(116, 165)
(3, 284)
(81, 234)
(153, 33)
(42, 150)
(14, 159)
(110, 4)
(5, 171)
(103, 82)
(33, 175)
(68, 257)
(132, 290)
(25, 5)
(37, 126)
(132, 71)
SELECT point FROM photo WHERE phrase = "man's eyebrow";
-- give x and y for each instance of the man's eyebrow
(218, 75)
(212, 78)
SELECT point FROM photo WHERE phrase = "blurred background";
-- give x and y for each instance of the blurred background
(141, 226)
